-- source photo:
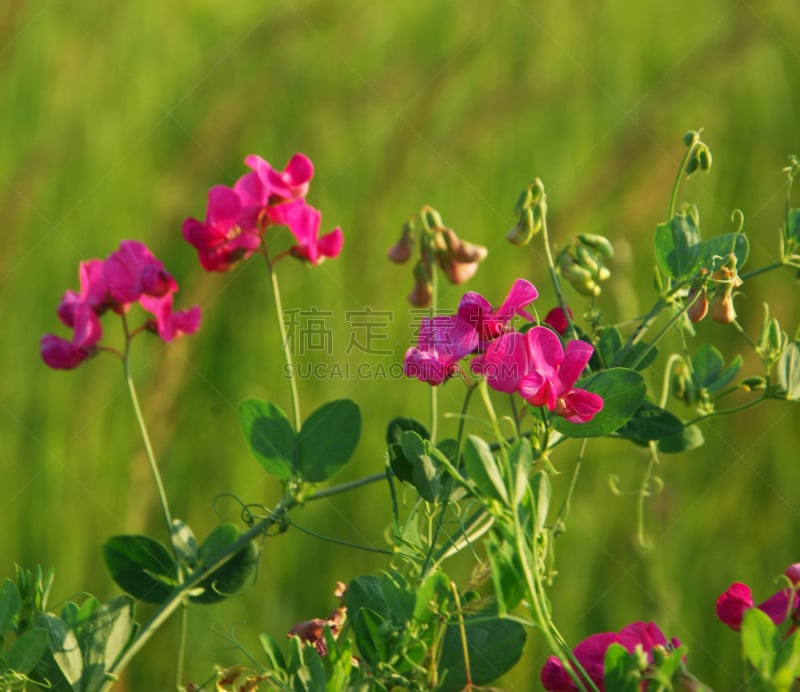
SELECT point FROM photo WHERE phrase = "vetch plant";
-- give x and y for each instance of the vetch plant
(484, 493)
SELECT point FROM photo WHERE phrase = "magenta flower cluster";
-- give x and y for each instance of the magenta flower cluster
(533, 364)
(591, 653)
(737, 599)
(129, 275)
(236, 217)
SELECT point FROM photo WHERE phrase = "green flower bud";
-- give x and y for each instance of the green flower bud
(690, 138)
(691, 165)
(603, 274)
(529, 224)
(704, 157)
(431, 218)
(587, 260)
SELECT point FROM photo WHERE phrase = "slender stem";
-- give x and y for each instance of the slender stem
(761, 270)
(162, 495)
(673, 200)
(551, 268)
(726, 411)
(567, 504)
(287, 351)
(463, 631)
(346, 487)
(182, 645)
(434, 307)
(177, 597)
(348, 544)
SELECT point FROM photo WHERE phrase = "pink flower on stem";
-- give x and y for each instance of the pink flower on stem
(489, 323)
(228, 234)
(131, 274)
(591, 653)
(737, 598)
(61, 354)
(544, 373)
(443, 341)
(303, 221)
(279, 186)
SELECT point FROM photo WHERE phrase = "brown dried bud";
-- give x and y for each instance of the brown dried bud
(698, 307)
(456, 272)
(422, 293)
(460, 250)
(401, 251)
(722, 309)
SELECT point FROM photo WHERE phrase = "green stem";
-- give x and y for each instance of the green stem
(178, 596)
(761, 270)
(551, 268)
(287, 352)
(434, 307)
(726, 411)
(162, 495)
(567, 504)
(182, 645)
(673, 200)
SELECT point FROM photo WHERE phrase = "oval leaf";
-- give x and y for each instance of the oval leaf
(270, 437)
(687, 439)
(25, 653)
(789, 371)
(10, 604)
(482, 468)
(623, 392)
(328, 439)
(141, 566)
(235, 574)
(677, 246)
(651, 422)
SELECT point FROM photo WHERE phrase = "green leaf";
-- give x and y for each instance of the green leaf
(424, 472)
(481, 466)
(715, 251)
(370, 633)
(235, 574)
(141, 566)
(678, 246)
(789, 371)
(651, 422)
(541, 492)
(10, 603)
(506, 566)
(623, 392)
(23, 655)
(617, 668)
(494, 645)
(787, 662)
(328, 439)
(273, 652)
(520, 458)
(397, 426)
(687, 439)
(271, 438)
(103, 636)
(429, 597)
(609, 344)
(400, 598)
(64, 648)
(760, 640)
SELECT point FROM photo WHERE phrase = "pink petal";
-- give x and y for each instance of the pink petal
(780, 605)
(94, 290)
(224, 207)
(555, 678)
(545, 351)
(558, 320)
(425, 366)
(793, 572)
(522, 293)
(447, 336)
(299, 170)
(732, 604)
(505, 362)
(61, 354)
(576, 356)
(330, 245)
(474, 308)
(581, 406)
(251, 190)
(537, 390)
(186, 321)
(647, 634)
(87, 327)
(591, 653)
(301, 219)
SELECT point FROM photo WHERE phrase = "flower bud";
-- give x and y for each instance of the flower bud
(456, 272)
(721, 309)
(587, 260)
(422, 293)
(751, 384)
(461, 250)
(704, 157)
(401, 251)
(431, 218)
(690, 138)
(698, 304)
(529, 224)
(683, 386)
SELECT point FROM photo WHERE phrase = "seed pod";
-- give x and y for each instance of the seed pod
(699, 308)
(587, 260)
(751, 384)
(598, 242)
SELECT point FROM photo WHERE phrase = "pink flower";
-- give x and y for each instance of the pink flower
(303, 221)
(131, 274)
(288, 184)
(557, 320)
(133, 271)
(443, 341)
(61, 354)
(229, 233)
(537, 366)
(490, 324)
(733, 602)
(591, 653)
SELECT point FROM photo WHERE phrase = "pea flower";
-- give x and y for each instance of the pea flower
(131, 274)
(535, 365)
(237, 217)
(489, 323)
(443, 341)
(737, 598)
(591, 653)
(303, 221)
(557, 320)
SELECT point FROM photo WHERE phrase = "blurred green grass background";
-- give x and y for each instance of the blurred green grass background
(115, 119)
